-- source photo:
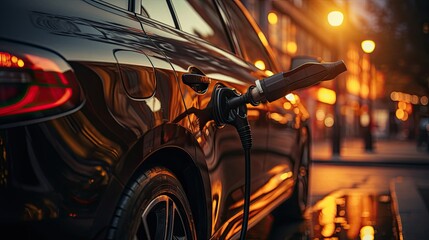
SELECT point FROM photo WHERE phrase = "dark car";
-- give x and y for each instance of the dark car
(105, 128)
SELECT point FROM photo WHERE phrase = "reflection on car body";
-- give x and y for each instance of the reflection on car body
(133, 145)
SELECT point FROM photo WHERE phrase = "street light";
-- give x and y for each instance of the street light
(368, 47)
(335, 19)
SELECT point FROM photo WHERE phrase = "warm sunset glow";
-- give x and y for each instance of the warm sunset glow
(335, 18)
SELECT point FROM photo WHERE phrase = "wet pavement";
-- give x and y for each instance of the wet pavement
(349, 216)
(382, 194)
(353, 215)
(385, 151)
(409, 195)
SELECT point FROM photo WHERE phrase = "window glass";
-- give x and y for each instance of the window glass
(200, 18)
(120, 3)
(158, 10)
(250, 42)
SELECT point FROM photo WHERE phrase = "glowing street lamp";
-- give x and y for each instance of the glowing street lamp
(335, 18)
(368, 46)
(272, 18)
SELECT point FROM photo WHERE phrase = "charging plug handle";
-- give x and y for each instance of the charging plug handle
(278, 85)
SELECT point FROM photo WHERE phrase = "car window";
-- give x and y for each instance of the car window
(250, 42)
(158, 10)
(201, 18)
(120, 3)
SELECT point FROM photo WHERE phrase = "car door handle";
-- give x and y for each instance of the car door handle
(199, 83)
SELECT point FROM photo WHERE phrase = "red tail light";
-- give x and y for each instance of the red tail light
(34, 84)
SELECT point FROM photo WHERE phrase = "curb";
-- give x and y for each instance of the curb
(409, 209)
(381, 163)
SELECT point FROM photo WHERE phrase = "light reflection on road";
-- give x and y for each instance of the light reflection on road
(352, 214)
(346, 214)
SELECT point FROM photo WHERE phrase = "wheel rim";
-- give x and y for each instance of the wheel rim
(162, 219)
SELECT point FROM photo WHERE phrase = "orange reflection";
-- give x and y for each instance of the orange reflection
(279, 186)
(282, 119)
(216, 196)
(367, 233)
(292, 98)
(47, 64)
(260, 64)
(263, 38)
(271, 185)
(269, 73)
(346, 212)
(253, 113)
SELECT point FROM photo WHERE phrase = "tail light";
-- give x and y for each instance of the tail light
(35, 84)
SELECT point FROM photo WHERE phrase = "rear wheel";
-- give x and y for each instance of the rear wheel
(301, 190)
(154, 206)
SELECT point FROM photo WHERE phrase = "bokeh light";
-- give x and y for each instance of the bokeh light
(335, 18)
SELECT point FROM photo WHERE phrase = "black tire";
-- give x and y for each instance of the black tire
(299, 201)
(153, 206)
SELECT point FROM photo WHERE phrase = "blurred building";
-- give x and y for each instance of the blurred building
(300, 28)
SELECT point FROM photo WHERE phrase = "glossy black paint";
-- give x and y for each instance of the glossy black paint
(69, 171)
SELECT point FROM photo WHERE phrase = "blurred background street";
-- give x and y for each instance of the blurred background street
(385, 45)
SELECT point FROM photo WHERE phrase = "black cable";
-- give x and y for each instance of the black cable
(230, 108)
(246, 193)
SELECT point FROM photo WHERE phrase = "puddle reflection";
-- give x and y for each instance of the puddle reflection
(342, 215)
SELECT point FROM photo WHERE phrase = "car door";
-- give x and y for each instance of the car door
(202, 47)
(278, 168)
(285, 115)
